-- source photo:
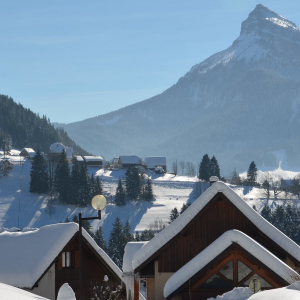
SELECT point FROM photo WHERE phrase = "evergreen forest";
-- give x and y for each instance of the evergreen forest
(21, 128)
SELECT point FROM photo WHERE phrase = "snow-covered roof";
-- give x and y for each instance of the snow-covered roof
(291, 292)
(130, 159)
(57, 148)
(78, 158)
(183, 220)
(93, 158)
(217, 247)
(153, 161)
(9, 292)
(30, 151)
(130, 250)
(25, 256)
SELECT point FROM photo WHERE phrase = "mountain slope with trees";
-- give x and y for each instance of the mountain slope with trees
(21, 128)
(240, 104)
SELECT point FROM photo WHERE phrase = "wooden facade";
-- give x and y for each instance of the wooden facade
(94, 270)
(218, 216)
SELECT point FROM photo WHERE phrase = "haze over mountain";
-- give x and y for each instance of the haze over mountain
(240, 104)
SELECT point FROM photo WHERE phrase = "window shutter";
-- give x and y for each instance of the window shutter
(77, 259)
(59, 262)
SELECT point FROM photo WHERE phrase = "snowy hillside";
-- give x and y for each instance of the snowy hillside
(19, 208)
(241, 104)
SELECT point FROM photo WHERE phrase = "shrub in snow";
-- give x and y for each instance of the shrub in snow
(66, 293)
(238, 293)
(107, 291)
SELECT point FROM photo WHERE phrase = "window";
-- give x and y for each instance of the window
(66, 260)
(227, 270)
(243, 271)
(215, 282)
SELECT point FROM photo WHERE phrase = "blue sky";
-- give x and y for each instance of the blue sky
(72, 60)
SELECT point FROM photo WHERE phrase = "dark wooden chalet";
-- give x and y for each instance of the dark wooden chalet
(176, 249)
(41, 261)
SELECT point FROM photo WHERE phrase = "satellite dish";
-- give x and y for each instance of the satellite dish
(255, 285)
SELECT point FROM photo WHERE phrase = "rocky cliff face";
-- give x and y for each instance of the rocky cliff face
(240, 104)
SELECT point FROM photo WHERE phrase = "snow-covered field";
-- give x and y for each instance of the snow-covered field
(20, 208)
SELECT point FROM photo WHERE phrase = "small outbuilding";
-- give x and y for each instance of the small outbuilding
(93, 161)
(57, 148)
(153, 162)
(127, 161)
(28, 153)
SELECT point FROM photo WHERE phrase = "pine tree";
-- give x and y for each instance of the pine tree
(115, 243)
(39, 179)
(266, 213)
(67, 220)
(147, 235)
(85, 186)
(97, 187)
(127, 236)
(75, 182)
(99, 238)
(204, 168)
(235, 178)
(214, 169)
(133, 183)
(137, 237)
(148, 192)
(184, 207)
(252, 174)
(174, 215)
(120, 194)
(62, 180)
(266, 185)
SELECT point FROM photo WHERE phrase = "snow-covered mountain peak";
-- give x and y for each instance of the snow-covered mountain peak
(263, 34)
(262, 18)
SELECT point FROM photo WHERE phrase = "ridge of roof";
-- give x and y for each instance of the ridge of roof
(191, 212)
(217, 247)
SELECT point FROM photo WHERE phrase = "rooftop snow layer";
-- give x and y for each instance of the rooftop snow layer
(217, 247)
(130, 159)
(25, 256)
(183, 220)
(130, 250)
(93, 158)
(12, 293)
(291, 292)
(153, 161)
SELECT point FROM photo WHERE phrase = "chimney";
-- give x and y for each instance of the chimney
(213, 179)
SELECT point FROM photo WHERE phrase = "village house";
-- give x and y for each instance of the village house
(127, 161)
(79, 159)
(42, 260)
(28, 153)
(93, 161)
(153, 162)
(217, 244)
(57, 148)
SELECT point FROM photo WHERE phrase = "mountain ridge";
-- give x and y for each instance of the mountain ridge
(252, 83)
